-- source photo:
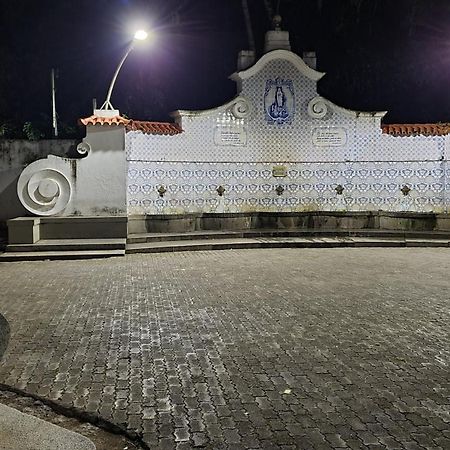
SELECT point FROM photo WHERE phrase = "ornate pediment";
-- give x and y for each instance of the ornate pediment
(274, 55)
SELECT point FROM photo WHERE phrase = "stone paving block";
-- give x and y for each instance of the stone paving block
(281, 348)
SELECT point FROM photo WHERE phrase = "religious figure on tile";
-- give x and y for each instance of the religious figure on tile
(278, 108)
(279, 101)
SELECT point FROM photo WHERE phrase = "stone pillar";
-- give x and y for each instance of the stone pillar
(310, 59)
(246, 59)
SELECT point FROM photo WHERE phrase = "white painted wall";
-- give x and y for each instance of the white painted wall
(101, 176)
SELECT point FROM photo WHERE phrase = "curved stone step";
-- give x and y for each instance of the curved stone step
(55, 245)
(59, 255)
(257, 233)
(274, 242)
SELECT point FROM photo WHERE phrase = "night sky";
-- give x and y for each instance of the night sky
(378, 55)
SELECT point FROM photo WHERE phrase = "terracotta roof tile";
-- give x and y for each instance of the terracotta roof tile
(424, 129)
(166, 128)
(95, 120)
(154, 127)
(161, 128)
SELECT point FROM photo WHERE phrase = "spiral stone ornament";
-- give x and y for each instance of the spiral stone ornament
(241, 108)
(317, 108)
(83, 148)
(44, 192)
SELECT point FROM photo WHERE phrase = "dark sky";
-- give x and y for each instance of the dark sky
(378, 54)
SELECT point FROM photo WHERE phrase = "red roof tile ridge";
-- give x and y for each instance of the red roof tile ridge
(98, 120)
(166, 128)
(159, 128)
(412, 129)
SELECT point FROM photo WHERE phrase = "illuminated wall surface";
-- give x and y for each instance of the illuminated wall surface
(278, 125)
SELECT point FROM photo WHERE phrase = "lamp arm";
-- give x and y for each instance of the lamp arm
(116, 73)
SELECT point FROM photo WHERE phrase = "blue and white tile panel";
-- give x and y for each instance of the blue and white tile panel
(191, 187)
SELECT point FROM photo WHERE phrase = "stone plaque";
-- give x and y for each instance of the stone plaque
(230, 135)
(329, 137)
(279, 171)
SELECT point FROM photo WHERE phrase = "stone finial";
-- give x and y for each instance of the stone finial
(277, 39)
(276, 22)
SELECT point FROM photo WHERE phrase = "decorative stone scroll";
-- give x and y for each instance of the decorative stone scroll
(317, 108)
(83, 148)
(242, 108)
(43, 190)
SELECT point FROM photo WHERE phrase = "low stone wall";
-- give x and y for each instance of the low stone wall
(4, 335)
(19, 152)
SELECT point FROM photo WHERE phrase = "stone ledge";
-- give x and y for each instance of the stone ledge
(80, 219)
(29, 230)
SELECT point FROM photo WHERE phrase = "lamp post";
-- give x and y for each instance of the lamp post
(140, 35)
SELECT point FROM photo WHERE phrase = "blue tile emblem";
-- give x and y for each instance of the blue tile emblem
(279, 101)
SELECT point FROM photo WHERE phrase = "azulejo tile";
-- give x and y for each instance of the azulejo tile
(422, 173)
(371, 166)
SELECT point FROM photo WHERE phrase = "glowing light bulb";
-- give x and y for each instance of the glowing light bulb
(141, 35)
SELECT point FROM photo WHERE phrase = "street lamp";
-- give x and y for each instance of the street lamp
(140, 35)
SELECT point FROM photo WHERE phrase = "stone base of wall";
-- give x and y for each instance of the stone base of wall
(303, 220)
(29, 230)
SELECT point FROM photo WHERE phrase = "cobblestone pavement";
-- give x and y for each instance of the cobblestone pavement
(250, 349)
